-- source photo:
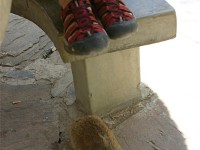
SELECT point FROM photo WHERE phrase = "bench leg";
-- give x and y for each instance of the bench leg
(4, 15)
(107, 81)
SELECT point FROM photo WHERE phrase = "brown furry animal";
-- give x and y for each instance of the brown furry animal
(91, 133)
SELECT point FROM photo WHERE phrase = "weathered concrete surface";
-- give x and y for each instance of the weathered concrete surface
(156, 22)
(107, 81)
(4, 15)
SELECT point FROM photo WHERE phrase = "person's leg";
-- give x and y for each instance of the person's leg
(63, 3)
(83, 34)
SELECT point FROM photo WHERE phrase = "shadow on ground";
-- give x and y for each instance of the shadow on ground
(41, 122)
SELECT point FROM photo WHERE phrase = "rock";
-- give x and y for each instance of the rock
(60, 87)
(70, 95)
(3, 54)
(4, 70)
(20, 36)
(24, 41)
(44, 70)
(68, 101)
(56, 59)
(19, 74)
(16, 77)
(146, 92)
(14, 81)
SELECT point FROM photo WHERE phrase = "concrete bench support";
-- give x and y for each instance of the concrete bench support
(107, 81)
(4, 14)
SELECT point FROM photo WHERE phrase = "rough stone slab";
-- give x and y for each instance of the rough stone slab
(156, 22)
(23, 42)
(22, 74)
(4, 70)
(15, 81)
(42, 69)
(18, 77)
(27, 34)
(60, 87)
(70, 96)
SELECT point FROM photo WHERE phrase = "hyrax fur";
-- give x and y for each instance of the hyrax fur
(91, 133)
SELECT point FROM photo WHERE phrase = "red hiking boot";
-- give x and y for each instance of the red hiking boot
(83, 34)
(116, 18)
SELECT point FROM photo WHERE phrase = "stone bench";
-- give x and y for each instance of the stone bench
(107, 81)
(4, 15)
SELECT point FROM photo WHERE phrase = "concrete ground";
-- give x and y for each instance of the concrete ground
(37, 99)
(171, 69)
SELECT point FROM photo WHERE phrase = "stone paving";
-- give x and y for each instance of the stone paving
(38, 100)
(34, 82)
